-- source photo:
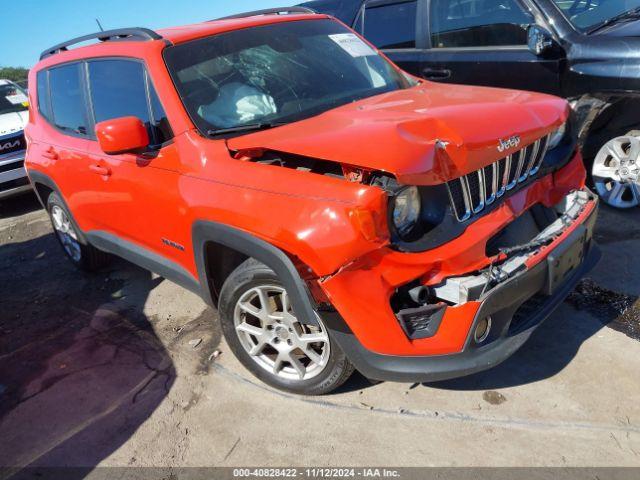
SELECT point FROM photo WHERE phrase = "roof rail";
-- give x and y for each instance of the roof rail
(135, 33)
(269, 11)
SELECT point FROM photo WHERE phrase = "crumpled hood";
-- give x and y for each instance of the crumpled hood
(424, 135)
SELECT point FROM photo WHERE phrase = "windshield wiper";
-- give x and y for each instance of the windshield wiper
(252, 127)
(628, 15)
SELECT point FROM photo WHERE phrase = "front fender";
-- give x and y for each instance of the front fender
(243, 242)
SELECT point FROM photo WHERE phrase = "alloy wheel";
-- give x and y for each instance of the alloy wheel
(66, 233)
(271, 334)
(616, 172)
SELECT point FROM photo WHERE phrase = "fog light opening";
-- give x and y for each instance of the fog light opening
(482, 329)
(420, 295)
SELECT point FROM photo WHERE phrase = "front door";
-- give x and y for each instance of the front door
(133, 187)
(484, 42)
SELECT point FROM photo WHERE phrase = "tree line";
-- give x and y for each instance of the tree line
(15, 74)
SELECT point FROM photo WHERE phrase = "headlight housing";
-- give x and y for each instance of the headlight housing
(406, 210)
(557, 136)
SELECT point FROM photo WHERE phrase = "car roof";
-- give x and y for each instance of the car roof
(186, 33)
(102, 41)
(61, 53)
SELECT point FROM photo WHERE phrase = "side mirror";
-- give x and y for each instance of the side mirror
(122, 135)
(539, 40)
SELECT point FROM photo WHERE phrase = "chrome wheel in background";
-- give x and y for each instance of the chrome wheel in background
(616, 172)
(274, 338)
(66, 233)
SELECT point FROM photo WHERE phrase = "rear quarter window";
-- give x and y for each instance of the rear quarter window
(44, 102)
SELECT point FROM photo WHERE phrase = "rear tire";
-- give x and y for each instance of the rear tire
(263, 332)
(74, 244)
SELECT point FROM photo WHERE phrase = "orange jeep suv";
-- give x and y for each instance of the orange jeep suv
(339, 213)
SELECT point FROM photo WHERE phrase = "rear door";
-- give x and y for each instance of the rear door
(393, 27)
(61, 145)
(484, 42)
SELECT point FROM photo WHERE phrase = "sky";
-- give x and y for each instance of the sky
(31, 26)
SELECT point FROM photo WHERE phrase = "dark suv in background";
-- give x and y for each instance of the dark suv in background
(587, 51)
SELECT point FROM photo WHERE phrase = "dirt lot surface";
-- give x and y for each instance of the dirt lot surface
(122, 368)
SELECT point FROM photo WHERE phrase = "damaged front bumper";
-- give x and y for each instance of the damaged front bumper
(506, 302)
(458, 290)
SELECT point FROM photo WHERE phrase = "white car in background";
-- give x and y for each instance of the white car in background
(14, 114)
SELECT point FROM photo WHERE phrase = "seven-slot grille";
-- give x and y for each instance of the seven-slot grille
(473, 192)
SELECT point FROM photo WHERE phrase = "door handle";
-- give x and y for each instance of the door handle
(436, 74)
(100, 170)
(50, 153)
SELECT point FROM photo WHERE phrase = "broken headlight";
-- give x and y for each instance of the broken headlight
(406, 210)
(413, 211)
(556, 137)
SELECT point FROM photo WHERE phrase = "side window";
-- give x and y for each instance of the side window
(478, 23)
(119, 89)
(391, 25)
(67, 99)
(44, 105)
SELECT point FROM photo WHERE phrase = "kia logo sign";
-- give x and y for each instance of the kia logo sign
(9, 145)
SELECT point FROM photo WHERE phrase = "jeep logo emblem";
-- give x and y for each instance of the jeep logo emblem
(508, 143)
(8, 145)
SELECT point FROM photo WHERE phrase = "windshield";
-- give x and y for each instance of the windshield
(589, 14)
(12, 99)
(276, 73)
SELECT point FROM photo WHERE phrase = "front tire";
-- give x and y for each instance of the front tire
(265, 335)
(76, 248)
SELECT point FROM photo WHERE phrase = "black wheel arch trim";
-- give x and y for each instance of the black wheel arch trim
(203, 232)
(38, 177)
(254, 247)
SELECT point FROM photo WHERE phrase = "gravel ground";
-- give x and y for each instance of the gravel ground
(123, 368)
